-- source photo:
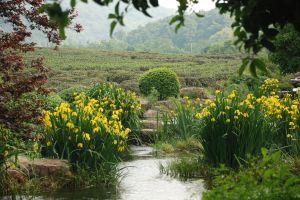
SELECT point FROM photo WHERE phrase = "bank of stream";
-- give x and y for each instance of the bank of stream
(141, 180)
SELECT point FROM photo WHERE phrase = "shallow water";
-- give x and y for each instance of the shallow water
(142, 180)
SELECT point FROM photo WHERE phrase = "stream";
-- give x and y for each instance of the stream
(142, 180)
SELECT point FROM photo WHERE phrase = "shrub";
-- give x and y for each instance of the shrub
(114, 97)
(163, 80)
(69, 93)
(86, 133)
(34, 103)
(194, 92)
(130, 85)
(21, 76)
(241, 89)
(180, 123)
(153, 96)
(232, 127)
(287, 51)
(267, 178)
(7, 152)
(243, 84)
(46, 101)
(119, 76)
(52, 100)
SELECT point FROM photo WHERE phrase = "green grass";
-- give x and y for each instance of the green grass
(185, 168)
(179, 146)
(74, 67)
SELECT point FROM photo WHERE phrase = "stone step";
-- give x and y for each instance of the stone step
(150, 124)
(148, 131)
(151, 114)
(147, 135)
(145, 105)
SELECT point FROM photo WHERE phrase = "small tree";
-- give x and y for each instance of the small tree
(164, 80)
(18, 78)
(287, 54)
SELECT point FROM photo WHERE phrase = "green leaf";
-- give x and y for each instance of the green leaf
(260, 65)
(276, 156)
(268, 44)
(264, 152)
(112, 16)
(120, 20)
(112, 27)
(73, 3)
(243, 66)
(175, 19)
(178, 27)
(271, 32)
(154, 3)
(43, 8)
(62, 33)
(117, 8)
(253, 69)
(198, 14)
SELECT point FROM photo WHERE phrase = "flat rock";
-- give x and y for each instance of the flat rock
(145, 104)
(44, 167)
(295, 82)
(167, 104)
(18, 175)
(151, 114)
(147, 135)
(150, 124)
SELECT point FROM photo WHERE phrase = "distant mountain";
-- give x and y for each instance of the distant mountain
(210, 34)
(198, 35)
(96, 25)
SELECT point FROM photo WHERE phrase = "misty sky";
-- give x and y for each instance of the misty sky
(203, 4)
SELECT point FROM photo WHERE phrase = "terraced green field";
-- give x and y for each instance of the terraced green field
(74, 67)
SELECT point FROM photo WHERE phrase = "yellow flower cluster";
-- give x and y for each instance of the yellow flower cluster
(270, 85)
(87, 121)
(271, 107)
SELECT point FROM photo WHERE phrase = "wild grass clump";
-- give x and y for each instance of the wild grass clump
(179, 146)
(86, 132)
(115, 98)
(153, 96)
(179, 123)
(90, 132)
(11, 178)
(6, 151)
(268, 177)
(186, 168)
(68, 93)
(233, 127)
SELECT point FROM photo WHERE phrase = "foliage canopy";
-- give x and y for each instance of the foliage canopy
(287, 54)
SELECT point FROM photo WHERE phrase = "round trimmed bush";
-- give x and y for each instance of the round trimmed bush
(164, 80)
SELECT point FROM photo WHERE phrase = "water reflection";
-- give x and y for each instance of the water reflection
(141, 181)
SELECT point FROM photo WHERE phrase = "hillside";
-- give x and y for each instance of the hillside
(96, 25)
(210, 34)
